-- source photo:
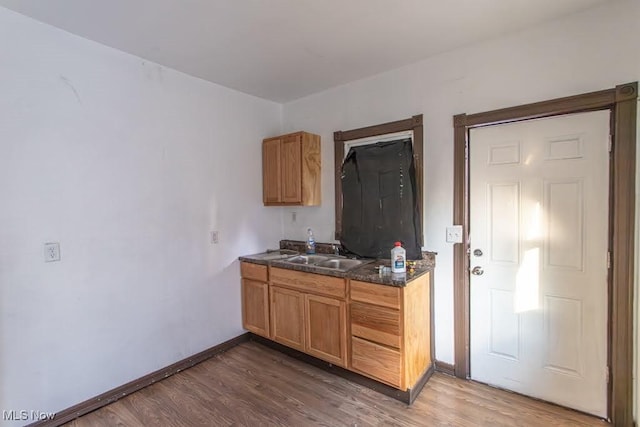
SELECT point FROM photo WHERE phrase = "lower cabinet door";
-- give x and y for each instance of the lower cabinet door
(287, 317)
(326, 329)
(376, 361)
(255, 307)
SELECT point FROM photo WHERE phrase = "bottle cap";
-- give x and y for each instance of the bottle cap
(397, 244)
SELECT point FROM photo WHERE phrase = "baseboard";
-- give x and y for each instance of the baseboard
(407, 396)
(111, 396)
(445, 368)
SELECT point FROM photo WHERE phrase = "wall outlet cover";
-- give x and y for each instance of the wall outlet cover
(51, 252)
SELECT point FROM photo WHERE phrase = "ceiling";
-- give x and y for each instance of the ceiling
(282, 50)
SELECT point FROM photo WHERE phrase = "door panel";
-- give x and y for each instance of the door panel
(271, 171)
(565, 207)
(539, 215)
(287, 317)
(326, 328)
(255, 307)
(504, 222)
(292, 169)
(505, 326)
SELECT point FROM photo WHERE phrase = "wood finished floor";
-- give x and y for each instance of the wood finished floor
(251, 385)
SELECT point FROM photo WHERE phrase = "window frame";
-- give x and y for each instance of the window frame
(340, 138)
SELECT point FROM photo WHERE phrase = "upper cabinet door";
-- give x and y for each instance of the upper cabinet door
(291, 150)
(271, 171)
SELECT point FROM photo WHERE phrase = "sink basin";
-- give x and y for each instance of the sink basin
(308, 259)
(340, 264)
(278, 254)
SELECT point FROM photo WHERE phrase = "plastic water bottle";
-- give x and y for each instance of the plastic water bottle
(398, 259)
(311, 242)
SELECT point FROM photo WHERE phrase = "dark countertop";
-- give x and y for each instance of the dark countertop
(367, 272)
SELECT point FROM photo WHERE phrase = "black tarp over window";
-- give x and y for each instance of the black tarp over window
(379, 200)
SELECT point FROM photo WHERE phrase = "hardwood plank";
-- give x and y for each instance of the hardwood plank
(252, 385)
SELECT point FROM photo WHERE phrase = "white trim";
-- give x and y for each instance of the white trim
(375, 139)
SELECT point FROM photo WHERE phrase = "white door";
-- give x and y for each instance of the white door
(538, 235)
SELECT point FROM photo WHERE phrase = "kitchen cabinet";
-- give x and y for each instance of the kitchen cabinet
(255, 299)
(326, 328)
(390, 331)
(379, 331)
(291, 170)
(323, 314)
(287, 317)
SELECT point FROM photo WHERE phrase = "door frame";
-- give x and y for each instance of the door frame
(621, 101)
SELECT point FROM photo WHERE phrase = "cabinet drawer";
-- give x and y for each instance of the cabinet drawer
(253, 271)
(309, 282)
(375, 323)
(387, 296)
(376, 361)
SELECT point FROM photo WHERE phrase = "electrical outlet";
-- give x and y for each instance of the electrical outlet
(51, 252)
(214, 237)
(294, 216)
(454, 234)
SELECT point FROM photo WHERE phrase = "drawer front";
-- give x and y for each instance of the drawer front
(375, 323)
(386, 296)
(253, 271)
(376, 361)
(309, 282)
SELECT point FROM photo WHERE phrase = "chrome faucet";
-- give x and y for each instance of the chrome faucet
(336, 249)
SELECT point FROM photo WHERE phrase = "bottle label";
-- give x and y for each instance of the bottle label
(311, 246)
(399, 263)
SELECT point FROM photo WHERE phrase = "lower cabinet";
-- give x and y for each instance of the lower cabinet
(309, 313)
(390, 331)
(326, 328)
(287, 317)
(382, 332)
(255, 298)
(255, 307)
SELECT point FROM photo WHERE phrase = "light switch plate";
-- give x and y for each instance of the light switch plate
(454, 234)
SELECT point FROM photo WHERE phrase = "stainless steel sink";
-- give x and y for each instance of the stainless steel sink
(308, 259)
(340, 264)
(278, 254)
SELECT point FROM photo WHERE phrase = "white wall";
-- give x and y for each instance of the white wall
(129, 166)
(566, 57)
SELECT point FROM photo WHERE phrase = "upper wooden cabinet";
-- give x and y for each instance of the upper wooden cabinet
(291, 170)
